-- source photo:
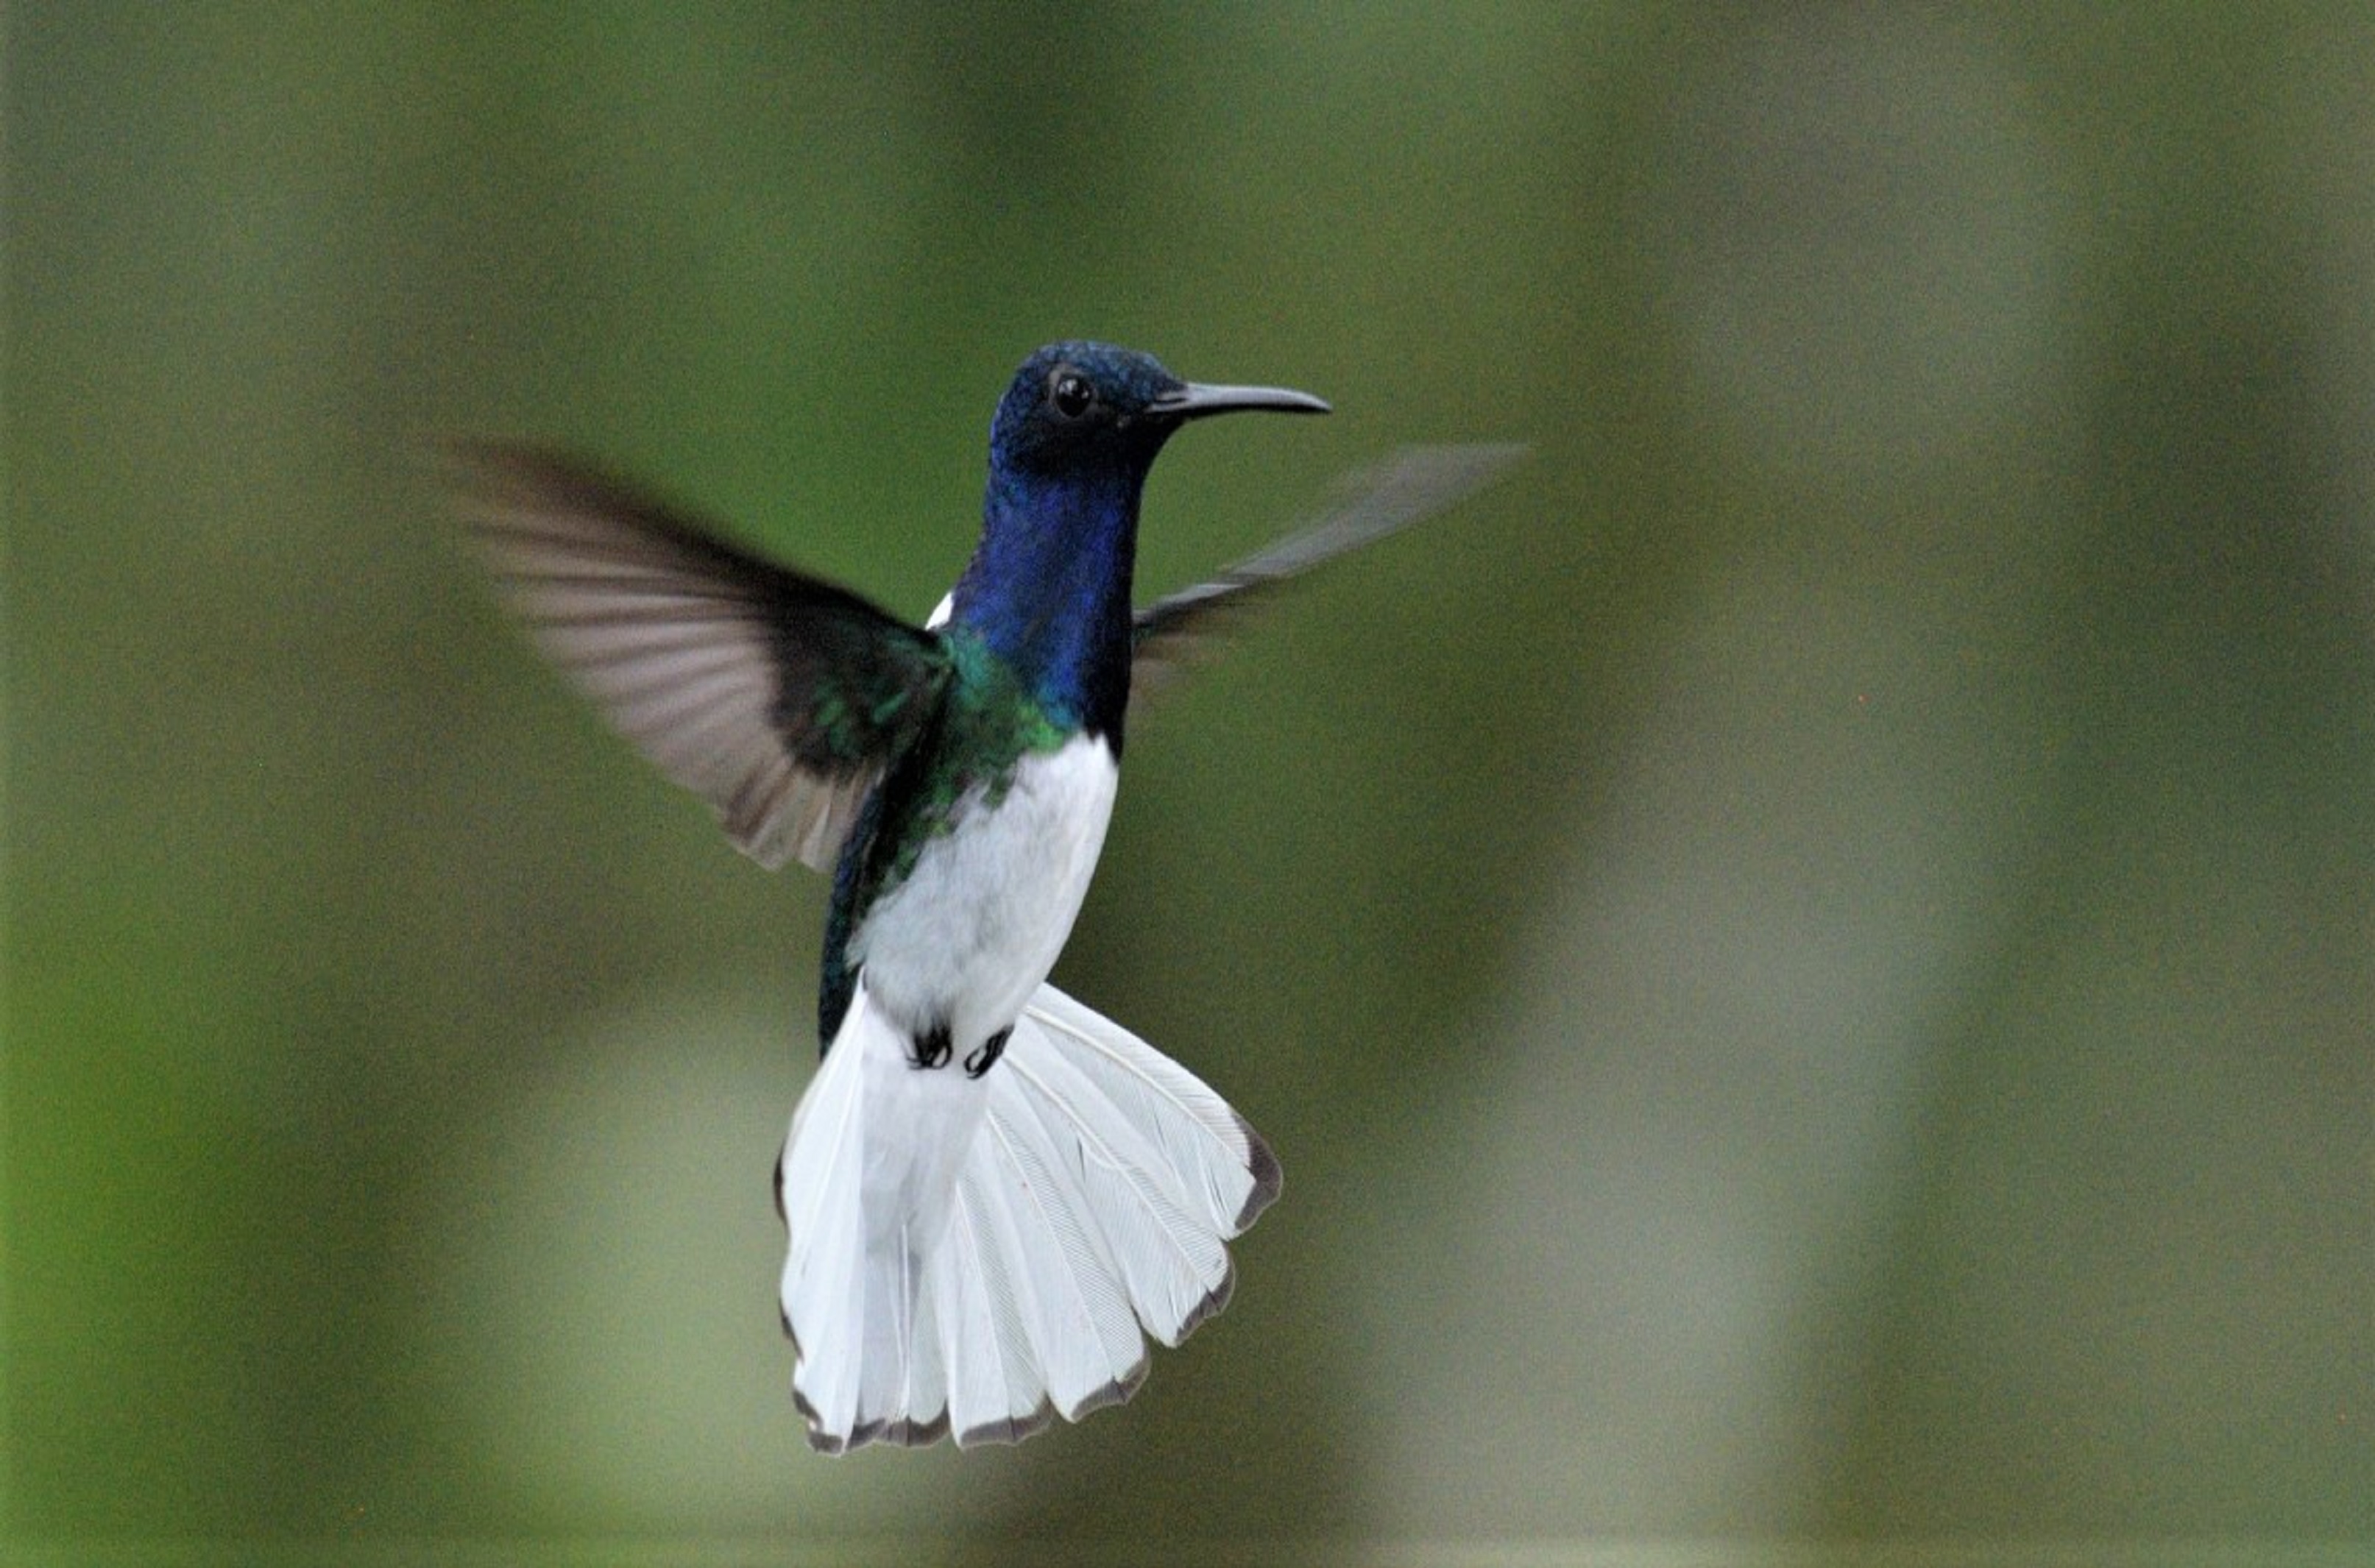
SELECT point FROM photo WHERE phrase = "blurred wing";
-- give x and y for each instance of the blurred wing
(778, 697)
(1394, 493)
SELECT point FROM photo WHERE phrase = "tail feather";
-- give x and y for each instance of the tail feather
(1160, 1255)
(903, 1370)
(1199, 1135)
(827, 1133)
(997, 1379)
(1074, 1306)
(978, 1258)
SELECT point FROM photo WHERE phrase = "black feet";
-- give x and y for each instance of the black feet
(933, 1049)
(986, 1057)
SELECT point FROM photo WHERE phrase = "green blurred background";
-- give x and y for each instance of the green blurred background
(1810, 958)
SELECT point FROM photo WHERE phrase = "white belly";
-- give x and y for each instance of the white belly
(976, 926)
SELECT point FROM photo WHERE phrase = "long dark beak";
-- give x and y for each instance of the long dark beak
(1193, 402)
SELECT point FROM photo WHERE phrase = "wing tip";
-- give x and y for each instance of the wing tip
(493, 477)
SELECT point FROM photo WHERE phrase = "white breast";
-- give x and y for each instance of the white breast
(976, 926)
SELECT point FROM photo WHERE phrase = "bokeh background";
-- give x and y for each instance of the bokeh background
(1809, 957)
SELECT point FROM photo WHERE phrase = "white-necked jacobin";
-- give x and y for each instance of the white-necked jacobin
(991, 1192)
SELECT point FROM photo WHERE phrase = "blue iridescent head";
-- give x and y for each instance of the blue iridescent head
(1049, 589)
(1075, 406)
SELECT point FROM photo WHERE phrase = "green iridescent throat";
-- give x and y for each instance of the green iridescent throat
(988, 722)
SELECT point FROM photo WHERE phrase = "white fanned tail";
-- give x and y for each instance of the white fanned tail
(977, 1255)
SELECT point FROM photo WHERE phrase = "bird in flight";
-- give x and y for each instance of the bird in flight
(992, 1193)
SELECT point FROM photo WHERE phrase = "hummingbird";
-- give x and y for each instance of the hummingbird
(992, 1193)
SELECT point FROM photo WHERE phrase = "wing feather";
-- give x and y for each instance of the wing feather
(779, 697)
(1372, 502)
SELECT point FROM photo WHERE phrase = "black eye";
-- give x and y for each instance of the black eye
(1071, 392)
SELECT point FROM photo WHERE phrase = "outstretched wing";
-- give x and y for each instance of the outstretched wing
(1410, 484)
(778, 697)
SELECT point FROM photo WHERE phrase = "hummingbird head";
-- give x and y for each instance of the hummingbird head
(1083, 409)
(1048, 587)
